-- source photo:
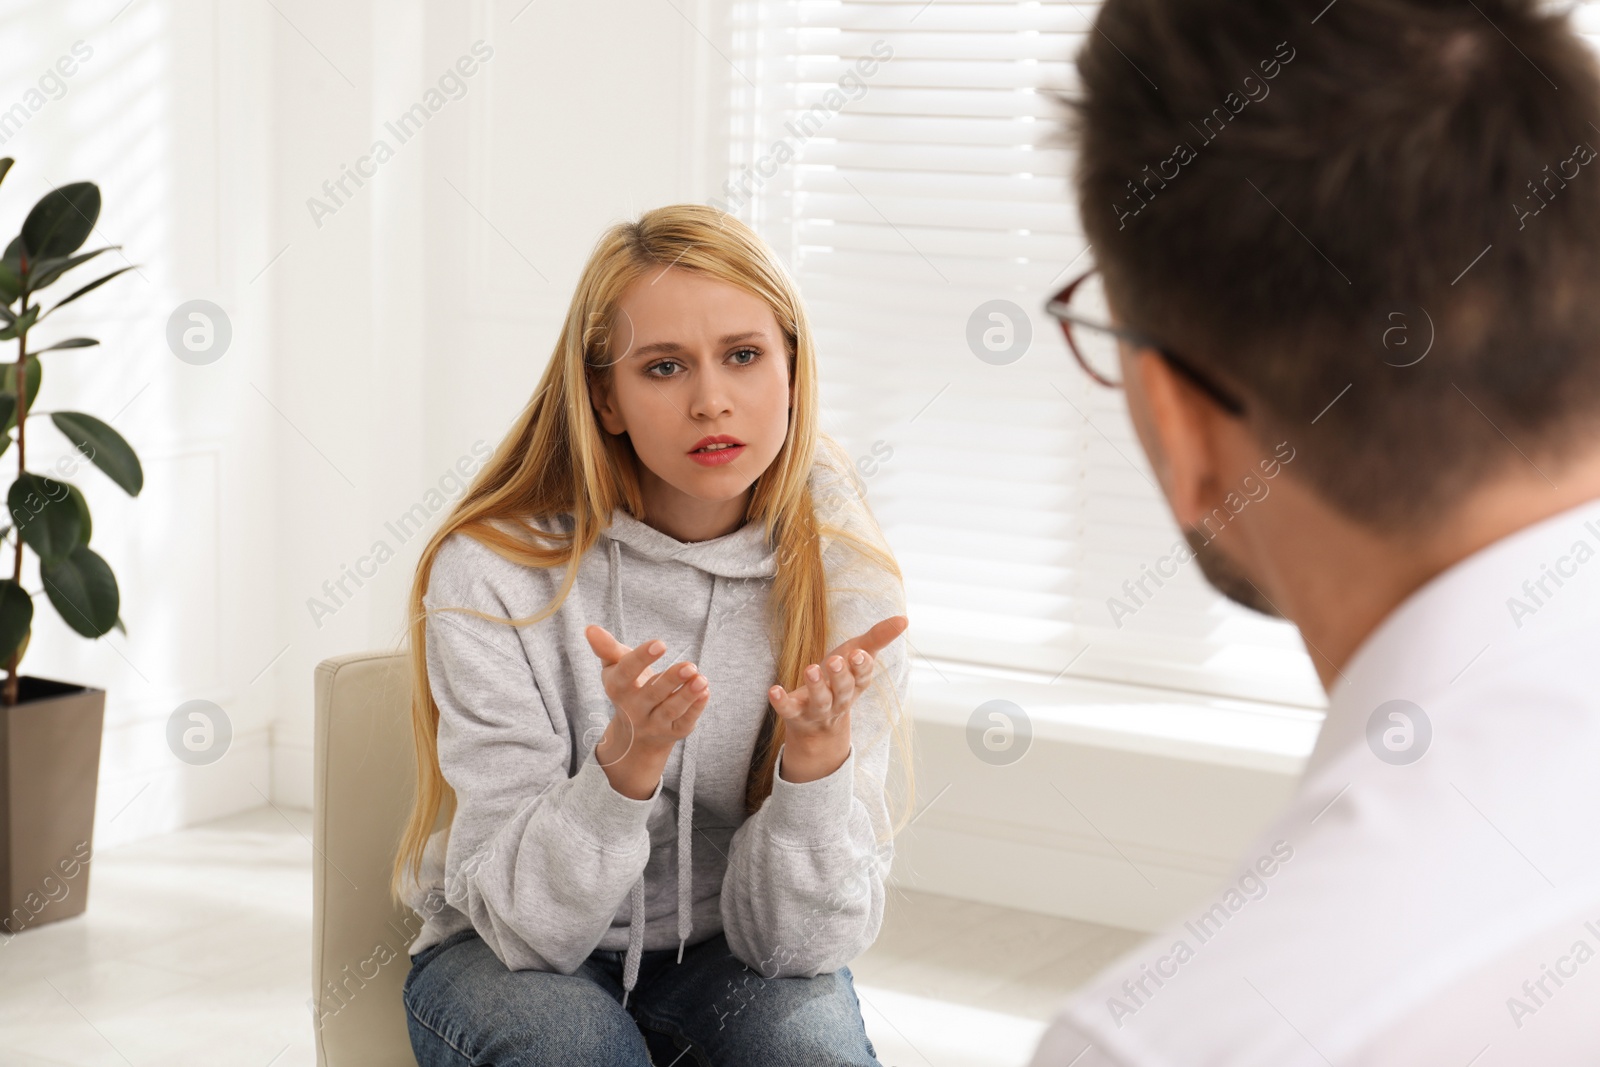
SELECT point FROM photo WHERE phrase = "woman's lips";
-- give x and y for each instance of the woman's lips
(717, 456)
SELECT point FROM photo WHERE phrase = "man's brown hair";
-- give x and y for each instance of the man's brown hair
(1303, 201)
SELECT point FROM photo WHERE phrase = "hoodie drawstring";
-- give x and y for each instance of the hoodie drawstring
(630, 967)
(685, 838)
(691, 750)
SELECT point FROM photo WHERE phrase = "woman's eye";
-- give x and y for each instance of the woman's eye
(753, 353)
(651, 370)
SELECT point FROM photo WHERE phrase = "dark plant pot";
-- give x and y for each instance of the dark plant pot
(49, 770)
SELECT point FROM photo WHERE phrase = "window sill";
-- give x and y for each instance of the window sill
(1127, 805)
(1171, 723)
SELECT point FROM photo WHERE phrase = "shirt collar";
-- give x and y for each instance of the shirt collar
(1528, 588)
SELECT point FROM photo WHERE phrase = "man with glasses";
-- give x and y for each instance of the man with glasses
(1369, 228)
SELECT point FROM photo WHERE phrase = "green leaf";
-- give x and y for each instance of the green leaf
(82, 504)
(21, 324)
(84, 591)
(43, 272)
(16, 617)
(97, 283)
(104, 446)
(11, 270)
(61, 221)
(45, 516)
(76, 342)
(8, 385)
(121, 627)
(5, 167)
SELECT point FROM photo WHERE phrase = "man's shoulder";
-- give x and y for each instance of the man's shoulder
(1367, 897)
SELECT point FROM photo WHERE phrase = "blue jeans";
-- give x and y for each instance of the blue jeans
(464, 1007)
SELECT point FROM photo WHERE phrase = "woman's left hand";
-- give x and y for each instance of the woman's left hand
(817, 714)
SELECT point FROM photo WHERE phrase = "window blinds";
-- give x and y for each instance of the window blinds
(905, 161)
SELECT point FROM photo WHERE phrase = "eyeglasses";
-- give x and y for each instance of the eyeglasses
(1085, 323)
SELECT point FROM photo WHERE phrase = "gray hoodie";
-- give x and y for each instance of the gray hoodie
(547, 861)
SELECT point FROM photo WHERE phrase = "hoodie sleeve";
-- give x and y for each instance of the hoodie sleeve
(805, 886)
(537, 860)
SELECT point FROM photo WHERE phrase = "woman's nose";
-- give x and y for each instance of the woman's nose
(711, 396)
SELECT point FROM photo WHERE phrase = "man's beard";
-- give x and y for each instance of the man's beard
(1226, 577)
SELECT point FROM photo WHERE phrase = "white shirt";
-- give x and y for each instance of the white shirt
(1440, 911)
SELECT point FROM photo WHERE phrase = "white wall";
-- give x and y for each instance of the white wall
(169, 115)
(1120, 805)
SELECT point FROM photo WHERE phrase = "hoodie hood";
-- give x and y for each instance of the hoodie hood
(744, 553)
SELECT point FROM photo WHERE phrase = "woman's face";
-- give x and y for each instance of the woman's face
(696, 357)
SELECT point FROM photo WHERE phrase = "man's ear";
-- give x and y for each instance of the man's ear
(600, 396)
(1181, 421)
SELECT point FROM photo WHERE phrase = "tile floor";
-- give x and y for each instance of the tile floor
(196, 950)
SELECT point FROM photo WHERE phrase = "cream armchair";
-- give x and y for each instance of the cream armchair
(364, 785)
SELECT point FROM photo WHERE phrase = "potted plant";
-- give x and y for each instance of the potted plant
(49, 729)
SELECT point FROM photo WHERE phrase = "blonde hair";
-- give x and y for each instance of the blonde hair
(556, 459)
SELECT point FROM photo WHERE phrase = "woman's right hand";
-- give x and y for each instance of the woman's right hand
(654, 711)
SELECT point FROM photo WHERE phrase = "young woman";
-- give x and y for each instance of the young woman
(615, 863)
